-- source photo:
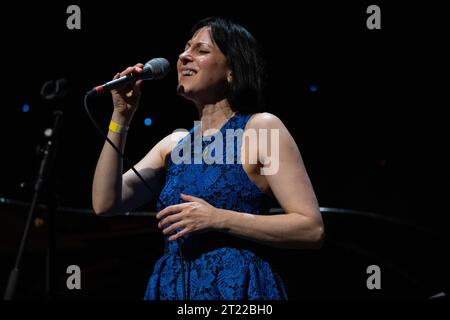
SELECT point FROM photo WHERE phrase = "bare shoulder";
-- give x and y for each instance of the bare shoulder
(156, 158)
(170, 141)
(265, 120)
(174, 137)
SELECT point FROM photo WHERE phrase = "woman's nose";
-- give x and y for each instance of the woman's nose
(185, 57)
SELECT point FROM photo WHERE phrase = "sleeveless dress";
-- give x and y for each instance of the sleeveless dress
(216, 266)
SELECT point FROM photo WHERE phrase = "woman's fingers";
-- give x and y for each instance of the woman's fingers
(180, 234)
(127, 71)
(174, 227)
(170, 219)
(126, 88)
(126, 97)
(135, 69)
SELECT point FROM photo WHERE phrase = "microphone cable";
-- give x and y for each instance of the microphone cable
(128, 163)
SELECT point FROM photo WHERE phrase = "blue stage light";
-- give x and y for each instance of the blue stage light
(148, 121)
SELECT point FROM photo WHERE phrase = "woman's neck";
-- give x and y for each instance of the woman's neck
(214, 116)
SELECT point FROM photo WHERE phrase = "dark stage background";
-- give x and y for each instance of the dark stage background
(363, 106)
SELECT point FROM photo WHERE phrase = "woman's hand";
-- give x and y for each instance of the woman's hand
(126, 98)
(193, 216)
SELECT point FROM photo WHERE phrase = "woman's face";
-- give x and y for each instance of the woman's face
(203, 71)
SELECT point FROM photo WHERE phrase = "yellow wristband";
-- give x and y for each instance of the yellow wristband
(117, 128)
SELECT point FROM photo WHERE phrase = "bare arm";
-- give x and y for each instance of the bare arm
(301, 226)
(113, 193)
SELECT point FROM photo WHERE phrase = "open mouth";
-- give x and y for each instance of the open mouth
(188, 73)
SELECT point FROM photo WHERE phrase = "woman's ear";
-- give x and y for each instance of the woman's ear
(229, 77)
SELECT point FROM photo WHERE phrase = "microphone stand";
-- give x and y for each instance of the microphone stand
(49, 152)
(50, 258)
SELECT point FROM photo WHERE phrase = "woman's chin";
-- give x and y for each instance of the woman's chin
(180, 89)
(188, 95)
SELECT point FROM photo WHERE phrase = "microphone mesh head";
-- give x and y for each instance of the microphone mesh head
(156, 68)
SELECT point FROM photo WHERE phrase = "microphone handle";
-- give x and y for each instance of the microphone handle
(113, 84)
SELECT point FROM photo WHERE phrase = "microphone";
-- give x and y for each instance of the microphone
(155, 69)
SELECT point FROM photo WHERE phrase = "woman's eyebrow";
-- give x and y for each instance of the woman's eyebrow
(203, 43)
(196, 44)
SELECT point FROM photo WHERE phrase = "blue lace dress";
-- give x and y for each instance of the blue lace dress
(217, 266)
